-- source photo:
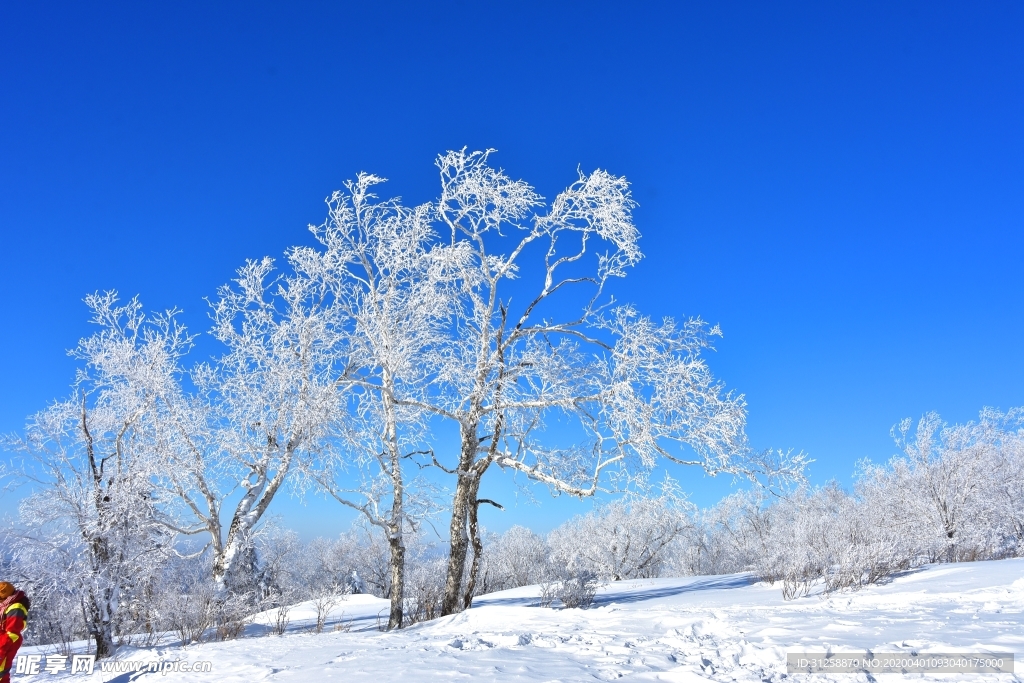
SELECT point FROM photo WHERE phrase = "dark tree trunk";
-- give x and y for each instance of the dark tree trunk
(459, 544)
(478, 546)
(397, 546)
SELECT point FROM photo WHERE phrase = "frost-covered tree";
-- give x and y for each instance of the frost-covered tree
(537, 339)
(518, 557)
(391, 283)
(1007, 491)
(630, 539)
(953, 496)
(437, 332)
(326, 568)
(961, 480)
(91, 531)
(845, 540)
(435, 336)
(259, 409)
(732, 536)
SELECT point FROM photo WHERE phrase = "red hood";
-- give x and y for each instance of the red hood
(17, 597)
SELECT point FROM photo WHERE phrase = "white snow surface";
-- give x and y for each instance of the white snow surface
(720, 628)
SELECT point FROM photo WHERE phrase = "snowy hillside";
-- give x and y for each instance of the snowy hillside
(720, 628)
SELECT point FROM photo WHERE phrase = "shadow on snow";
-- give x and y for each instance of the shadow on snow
(615, 592)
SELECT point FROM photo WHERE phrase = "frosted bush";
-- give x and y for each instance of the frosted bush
(578, 591)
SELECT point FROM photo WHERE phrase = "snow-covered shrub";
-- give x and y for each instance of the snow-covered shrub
(278, 577)
(187, 602)
(367, 553)
(955, 495)
(326, 574)
(324, 568)
(517, 558)
(730, 537)
(358, 561)
(548, 590)
(424, 587)
(621, 540)
(578, 590)
(844, 540)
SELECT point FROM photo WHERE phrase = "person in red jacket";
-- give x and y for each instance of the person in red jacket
(13, 615)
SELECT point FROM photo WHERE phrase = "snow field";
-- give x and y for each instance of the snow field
(724, 628)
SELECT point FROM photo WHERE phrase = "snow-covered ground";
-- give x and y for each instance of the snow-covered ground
(723, 628)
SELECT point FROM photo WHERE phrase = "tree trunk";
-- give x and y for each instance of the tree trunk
(465, 497)
(227, 572)
(459, 544)
(464, 525)
(396, 526)
(396, 542)
(478, 546)
(104, 637)
(225, 569)
(101, 628)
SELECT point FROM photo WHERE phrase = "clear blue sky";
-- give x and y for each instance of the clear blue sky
(840, 186)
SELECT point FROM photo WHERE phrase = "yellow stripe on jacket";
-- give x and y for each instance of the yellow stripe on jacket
(20, 608)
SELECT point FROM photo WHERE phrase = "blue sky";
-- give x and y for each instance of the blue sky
(840, 186)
